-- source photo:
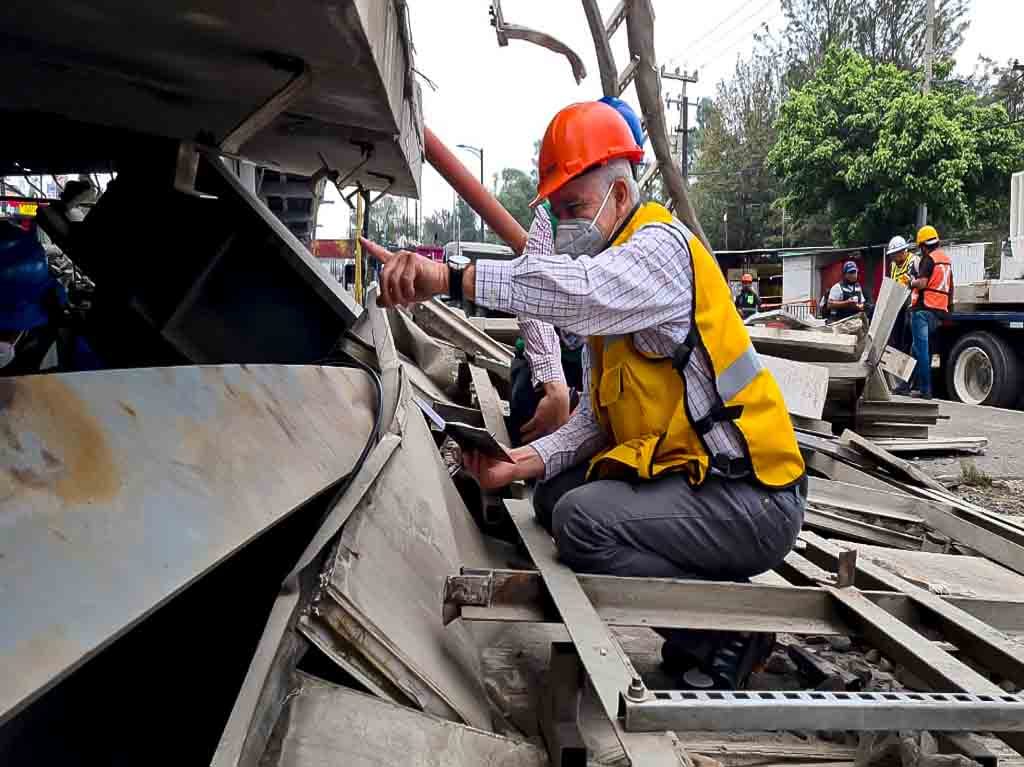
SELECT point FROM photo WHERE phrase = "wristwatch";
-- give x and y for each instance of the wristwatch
(456, 266)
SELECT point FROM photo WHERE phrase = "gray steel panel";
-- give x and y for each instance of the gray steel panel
(858, 711)
(119, 488)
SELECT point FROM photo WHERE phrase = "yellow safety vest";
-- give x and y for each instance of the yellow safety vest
(901, 272)
(640, 400)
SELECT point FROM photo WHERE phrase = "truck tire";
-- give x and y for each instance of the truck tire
(983, 369)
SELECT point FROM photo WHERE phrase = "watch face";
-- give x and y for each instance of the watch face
(458, 262)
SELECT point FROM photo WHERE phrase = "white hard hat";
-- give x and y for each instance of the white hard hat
(896, 244)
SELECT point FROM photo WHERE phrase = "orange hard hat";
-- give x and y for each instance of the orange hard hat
(746, 279)
(580, 137)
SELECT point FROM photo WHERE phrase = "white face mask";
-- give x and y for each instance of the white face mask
(581, 237)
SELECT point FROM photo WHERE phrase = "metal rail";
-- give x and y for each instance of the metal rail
(855, 711)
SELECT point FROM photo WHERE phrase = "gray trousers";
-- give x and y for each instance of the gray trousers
(726, 530)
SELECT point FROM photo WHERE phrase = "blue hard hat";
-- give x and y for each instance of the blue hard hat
(632, 119)
(850, 266)
(26, 284)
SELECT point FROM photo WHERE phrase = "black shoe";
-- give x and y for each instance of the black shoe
(921, 395)
(735, 660)
(902, 391)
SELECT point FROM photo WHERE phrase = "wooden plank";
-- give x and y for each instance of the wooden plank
(608, 667)
(804, 386)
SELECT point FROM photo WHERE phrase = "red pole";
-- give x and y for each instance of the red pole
(474, 193)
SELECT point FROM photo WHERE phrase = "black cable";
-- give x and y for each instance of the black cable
(353, 361)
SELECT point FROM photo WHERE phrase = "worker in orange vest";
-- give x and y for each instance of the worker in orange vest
(931, 300)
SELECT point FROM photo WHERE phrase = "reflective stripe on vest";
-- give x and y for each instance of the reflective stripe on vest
(640, 400)
(938, 296)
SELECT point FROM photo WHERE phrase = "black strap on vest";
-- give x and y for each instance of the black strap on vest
(681, 355)
(717, 414)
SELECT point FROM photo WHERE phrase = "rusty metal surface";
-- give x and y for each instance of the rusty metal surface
(119, 488)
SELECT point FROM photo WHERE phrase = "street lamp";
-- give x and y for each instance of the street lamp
(479, 152)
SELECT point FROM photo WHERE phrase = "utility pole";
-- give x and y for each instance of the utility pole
(929, 57)
(684, 114)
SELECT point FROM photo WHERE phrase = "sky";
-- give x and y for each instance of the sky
(501, 99)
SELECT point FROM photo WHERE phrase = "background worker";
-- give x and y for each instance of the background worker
(846, 297)
(639, 482)
(931, 299)
(748, 303)
(902, 270)
(547, 373)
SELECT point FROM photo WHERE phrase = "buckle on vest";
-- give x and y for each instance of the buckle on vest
(730, 468)
(717, 414)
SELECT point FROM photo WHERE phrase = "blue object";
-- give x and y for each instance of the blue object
(636, 126)
(922, 324)
(26, 285)
(849, 266)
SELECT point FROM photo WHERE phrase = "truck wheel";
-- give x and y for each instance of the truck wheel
(982, 369)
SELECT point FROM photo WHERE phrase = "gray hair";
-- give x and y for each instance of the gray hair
(614, 170)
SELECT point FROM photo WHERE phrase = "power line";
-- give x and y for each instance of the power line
(699, 40)
(741, 37)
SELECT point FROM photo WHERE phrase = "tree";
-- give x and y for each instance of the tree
(734, 134)
(468, 222)
(885, 31)
(437, 228)
(516, 192)
(861, 143)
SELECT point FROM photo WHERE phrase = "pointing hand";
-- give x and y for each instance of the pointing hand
(407, 278)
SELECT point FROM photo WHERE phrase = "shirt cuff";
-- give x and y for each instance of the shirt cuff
(494, 284)
(547, 447)
(546, 368)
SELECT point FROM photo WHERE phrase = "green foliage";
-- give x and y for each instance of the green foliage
(734, 133)
(469, 222)
(861, 142)
(516, 192)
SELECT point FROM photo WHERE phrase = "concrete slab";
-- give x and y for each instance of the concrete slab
(948, 574)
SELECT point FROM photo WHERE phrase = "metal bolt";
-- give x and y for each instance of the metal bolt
(637, 690)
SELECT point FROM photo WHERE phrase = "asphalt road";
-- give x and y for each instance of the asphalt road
(1004, 457)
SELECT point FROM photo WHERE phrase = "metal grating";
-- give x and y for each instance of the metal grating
(860, 711)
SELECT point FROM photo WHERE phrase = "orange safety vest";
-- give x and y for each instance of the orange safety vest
(938, 296)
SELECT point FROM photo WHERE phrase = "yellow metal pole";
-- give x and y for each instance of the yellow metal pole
(357, 289)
